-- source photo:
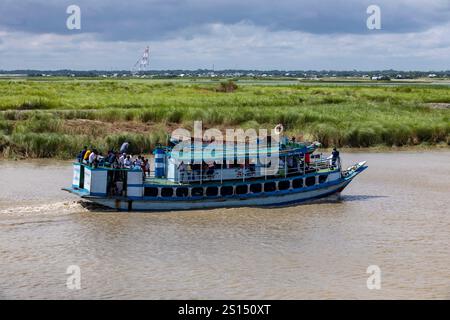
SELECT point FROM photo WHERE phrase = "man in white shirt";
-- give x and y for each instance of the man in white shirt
(122, 160)
(147, 167)
(127, 162)
(138, 162)
(92, 157)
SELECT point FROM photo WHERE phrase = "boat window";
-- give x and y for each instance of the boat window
(166, 192)
(226, 191)
(256, 188)
(151, 192)
(182, 192)
(241, 189)
(322, 178)
(310, 181)
(297, 183)
(212, 191)
(269, 186)
(197, 192)
(283, 185)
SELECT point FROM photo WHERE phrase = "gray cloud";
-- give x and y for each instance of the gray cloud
(234, 46)
(259, 34)
(165, 19)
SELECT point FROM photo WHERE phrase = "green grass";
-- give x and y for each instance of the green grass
(34, 114)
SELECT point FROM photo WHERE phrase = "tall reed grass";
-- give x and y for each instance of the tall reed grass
(34, 113)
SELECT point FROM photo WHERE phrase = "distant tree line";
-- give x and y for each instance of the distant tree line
(232, 73)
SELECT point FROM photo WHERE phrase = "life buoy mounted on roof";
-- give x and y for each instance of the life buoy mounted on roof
(278, 129)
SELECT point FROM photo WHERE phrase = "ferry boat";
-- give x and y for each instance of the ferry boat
(196, 180)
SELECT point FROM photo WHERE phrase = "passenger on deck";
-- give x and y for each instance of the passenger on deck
(127, 162)
(196, 171)
(111, 157)
(99, 160)
(86, 156)
(182, 170)
(80, 156)
(210, 172)
(146, 167)
(121, 161)
(92, 157)
(138, 162)
(282, 167)
(307, 159)
(115, 161)
(190, 172)
(334, 156)
(290, 161)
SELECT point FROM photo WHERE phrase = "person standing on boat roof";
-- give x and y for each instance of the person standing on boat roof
(124, 147)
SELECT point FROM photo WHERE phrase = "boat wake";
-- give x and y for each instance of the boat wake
(56, 208)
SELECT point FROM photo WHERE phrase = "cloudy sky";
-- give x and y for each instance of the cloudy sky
(229, 34)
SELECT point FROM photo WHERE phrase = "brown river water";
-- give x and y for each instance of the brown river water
(395, 215)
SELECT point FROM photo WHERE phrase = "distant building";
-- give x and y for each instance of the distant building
(380, 78)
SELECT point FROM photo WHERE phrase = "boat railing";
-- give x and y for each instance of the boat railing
(317, 163)
(251, 172)
(105, 165)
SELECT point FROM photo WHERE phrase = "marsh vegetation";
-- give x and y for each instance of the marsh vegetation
(56, 118)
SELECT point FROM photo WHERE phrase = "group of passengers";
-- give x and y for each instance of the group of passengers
(190, 172)
(114, 159)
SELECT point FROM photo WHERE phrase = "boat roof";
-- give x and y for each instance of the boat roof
(218, 152)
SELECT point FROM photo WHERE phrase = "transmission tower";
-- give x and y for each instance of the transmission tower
(142, 63)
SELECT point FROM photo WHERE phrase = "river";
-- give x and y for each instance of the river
(395, 215)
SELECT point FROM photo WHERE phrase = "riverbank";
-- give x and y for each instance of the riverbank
(47, 119)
